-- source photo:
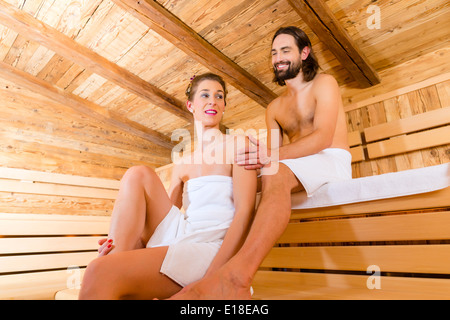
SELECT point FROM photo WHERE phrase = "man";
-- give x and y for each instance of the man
(311, 115)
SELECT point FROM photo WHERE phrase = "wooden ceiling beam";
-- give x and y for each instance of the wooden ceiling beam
(154, 15)
(323, 23)
(92, 110)
(35, 30)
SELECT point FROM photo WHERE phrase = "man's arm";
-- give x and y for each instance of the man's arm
(274, 132)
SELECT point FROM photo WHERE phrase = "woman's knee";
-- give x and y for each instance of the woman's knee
(97, 280)
(92, 278)
(139, 175)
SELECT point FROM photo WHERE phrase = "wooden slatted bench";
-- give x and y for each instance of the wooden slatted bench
(41, 254)
(334, 252)
(393, 248)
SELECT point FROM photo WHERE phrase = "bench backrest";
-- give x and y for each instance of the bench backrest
(43, 253)
(418, 132)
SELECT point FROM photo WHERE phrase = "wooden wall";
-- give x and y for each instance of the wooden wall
(416, 99)
(38, 134)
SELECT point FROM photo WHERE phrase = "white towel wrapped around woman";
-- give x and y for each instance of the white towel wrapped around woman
(195, 237)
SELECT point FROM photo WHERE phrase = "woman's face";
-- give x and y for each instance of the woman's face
(208, 103)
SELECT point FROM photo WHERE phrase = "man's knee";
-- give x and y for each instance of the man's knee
(282, 180)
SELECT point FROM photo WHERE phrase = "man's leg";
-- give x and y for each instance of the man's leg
(233, 280)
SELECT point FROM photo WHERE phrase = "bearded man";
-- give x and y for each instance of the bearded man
(310, 114)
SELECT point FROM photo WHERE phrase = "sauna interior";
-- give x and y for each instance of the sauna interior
(90, 88)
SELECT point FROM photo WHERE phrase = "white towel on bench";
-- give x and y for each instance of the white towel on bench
(389, 185)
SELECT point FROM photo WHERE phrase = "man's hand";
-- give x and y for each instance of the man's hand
(254, 156)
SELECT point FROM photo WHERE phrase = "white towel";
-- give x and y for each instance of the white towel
(389, 185)
(194, 238)
(316, 170)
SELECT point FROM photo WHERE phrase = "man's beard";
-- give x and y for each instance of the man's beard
(290, 73)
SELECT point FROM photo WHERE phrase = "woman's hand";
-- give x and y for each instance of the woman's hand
(105, 246)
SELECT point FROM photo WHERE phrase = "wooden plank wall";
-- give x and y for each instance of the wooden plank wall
(38, 134)
(416, 100)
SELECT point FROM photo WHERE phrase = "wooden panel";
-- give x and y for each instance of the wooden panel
(293, 285)
(426, 226)
(354, 138)
(67, 294)
(411, 142)
(378, 97)
(24, 23)
(47, 244)
(82, 105)
(37, 285)
(401, 258)
(357, 154)
(418, 122)
(49, 204)
(322, 21)
(435, 199)
(45, 261)
(30, 175)
(34, 224)
(181, 35)
(56, 189)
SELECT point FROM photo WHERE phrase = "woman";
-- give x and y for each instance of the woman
(153, 250)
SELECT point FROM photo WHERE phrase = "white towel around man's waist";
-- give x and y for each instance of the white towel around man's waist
(314, 171)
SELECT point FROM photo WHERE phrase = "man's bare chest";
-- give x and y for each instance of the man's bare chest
(295, 115)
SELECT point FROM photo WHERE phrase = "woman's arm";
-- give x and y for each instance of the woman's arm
(244, 194)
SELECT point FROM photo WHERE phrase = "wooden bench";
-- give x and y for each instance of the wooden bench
(332, 253)
(41, 254)
(396, 248)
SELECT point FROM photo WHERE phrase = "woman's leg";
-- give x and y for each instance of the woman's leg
(128, 275)
(141, 204)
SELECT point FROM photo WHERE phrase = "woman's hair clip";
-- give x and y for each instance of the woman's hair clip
(188, 89)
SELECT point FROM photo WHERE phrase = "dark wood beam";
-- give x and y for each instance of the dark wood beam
(186, 39)
(35, 30)
(322, 22)
(81, 105)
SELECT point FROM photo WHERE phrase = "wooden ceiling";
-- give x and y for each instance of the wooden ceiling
(127, 63)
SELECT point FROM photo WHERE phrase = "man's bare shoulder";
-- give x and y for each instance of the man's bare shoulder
(324, 81)
(273, 105)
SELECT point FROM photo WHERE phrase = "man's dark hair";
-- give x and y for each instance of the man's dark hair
(310, 65)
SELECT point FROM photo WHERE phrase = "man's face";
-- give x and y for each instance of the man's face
(286, 59)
